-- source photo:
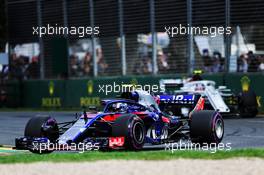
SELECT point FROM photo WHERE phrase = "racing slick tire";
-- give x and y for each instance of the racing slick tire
(248, 106)
(42, 126)
(206, 127)
(132, 128)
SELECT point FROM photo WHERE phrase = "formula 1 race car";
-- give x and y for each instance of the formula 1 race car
(220, 99)
(127, 123)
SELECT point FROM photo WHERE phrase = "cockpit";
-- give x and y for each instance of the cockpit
(142, 97)
(135, 101)
(120, 106)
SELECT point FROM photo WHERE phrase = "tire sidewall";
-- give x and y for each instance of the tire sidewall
(131, 134)
(202, 127)
(123, 127)
(215, 119)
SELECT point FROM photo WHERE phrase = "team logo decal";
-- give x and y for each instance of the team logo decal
(134, 82)
(90, 87)
(245, 83)
(51, 88)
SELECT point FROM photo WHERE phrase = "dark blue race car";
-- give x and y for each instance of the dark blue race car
(128, 122)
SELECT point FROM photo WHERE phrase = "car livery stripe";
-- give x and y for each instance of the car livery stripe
(88, 124)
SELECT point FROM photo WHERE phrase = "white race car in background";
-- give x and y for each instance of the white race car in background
(221, 98)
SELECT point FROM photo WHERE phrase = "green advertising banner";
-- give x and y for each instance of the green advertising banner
(46, 93)
(86, 92)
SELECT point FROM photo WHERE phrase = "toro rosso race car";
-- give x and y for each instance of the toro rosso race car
(130, 122)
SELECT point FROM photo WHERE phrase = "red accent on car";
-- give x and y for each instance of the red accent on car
(139, 113)
(116, 142)
(200, 104)
(142, 115)
(165, 119)
(157, 99)
(111, 117)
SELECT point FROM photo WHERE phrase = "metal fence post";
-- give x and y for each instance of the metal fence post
(227, 37)
(190, 52)
(65, 23)
(122, 37)
(65, 14)
(154, 37)
(95, 70)
(237, 41)
(41, 46)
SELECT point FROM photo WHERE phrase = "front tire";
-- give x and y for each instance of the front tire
(132, 128)
(206, 126)
(42, 126)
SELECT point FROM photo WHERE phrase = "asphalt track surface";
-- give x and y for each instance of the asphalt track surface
(239, 132)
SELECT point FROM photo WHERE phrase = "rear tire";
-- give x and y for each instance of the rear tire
(42, 127)
(248, 106)
(206, 126)
(132, 128)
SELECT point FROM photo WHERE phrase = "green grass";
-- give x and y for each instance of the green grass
(125, 155)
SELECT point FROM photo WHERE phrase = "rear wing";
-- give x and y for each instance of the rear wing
(181, 104)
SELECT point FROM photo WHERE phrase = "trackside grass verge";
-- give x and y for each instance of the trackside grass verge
(125, 155)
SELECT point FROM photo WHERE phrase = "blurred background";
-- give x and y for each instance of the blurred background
(64, 71)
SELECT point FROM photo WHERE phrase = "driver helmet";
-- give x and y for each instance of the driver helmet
(121, 107)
